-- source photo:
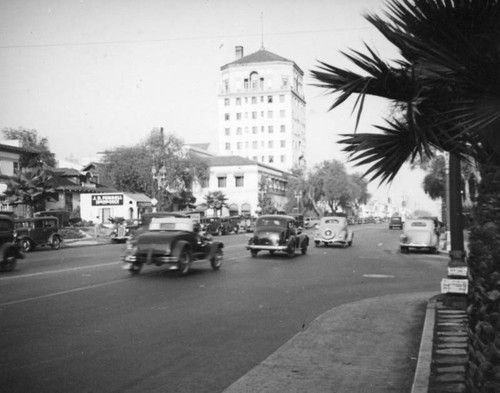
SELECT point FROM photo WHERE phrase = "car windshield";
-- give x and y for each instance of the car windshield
(332, 221)
(271, 222)
(171, 224)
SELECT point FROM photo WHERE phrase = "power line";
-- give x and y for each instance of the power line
(124, 42)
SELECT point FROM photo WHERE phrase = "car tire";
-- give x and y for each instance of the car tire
(253, 253)
(135, 268)
(216, 260)
(304, 250)
(184, 261)
(56, 243)
(26, 245)
(291, 249)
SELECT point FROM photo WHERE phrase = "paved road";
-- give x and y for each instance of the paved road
(71, 320)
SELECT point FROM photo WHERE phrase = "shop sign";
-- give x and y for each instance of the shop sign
(449, 285)
(107, 200)
(143, 204)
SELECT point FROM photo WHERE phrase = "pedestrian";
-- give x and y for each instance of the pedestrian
(97, 227)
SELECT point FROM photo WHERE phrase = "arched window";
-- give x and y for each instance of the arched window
(233, 209)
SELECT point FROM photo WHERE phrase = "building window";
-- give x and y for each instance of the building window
(269, 99)
(228, 146)
(238, 131)
(269, 114)
(282, 113)
(221, 181)
(238, 145)
(226, 116)
(282, 98)
(246, 84)
(227, 131)
(254, 145)
(284, 83)
(271, 159)
(270, 129)
(270, 144)
(238, 116)
(282, 143)
(254, 115)
(254, 130)
(226, 86)
(226, 101)
(282, 128)
(238, 181)
(238, 101)
(282, 158)
(247, 144)
(254, 100)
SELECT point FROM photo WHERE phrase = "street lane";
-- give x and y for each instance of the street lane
(86, 325)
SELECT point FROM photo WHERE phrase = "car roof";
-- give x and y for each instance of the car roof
(172, 223)
(277, 215)
(333, 220)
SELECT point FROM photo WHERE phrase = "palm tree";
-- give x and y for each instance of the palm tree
(446, 89)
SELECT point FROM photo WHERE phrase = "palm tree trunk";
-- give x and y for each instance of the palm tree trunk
(483, 374)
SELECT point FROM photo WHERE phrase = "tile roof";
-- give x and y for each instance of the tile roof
(229, 161)
(261, 56)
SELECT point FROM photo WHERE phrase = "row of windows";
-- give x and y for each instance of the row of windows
(238, 100)
(255, 144)
(238, 181)
(255, 129)
(255, 115)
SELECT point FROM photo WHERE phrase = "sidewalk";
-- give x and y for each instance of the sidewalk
(355, 348)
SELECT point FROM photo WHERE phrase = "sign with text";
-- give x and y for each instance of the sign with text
(107, 200)
(457, 271)
(449, 285)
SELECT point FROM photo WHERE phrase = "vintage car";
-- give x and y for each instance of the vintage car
(9, 251)
(277, 233)
(419, 234)
(311, 222)
(121, 231)
(333, 231)
(217, 226)
(396, 222)
(175, 241)
(37, 231)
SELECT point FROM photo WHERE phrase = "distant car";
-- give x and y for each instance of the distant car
(216, 226)
(395, 222)
(311, 222)
(175, 241)
(333, 231)
(121, 232)
(277, 233)
(9, 251)
(37, 231)
(419, 234)
(231, 224)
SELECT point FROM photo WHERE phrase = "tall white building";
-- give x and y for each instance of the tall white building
(262, 110)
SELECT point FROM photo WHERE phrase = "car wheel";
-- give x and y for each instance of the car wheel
(135, 268)
(304, 250)
(253, 253)
(56, 243)
(26, 245)
(9, 261)
(184, 262)
(216, 261)
(291, 249)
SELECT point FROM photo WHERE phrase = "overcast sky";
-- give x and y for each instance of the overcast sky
(94, 75)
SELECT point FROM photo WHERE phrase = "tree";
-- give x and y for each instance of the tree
(216, 200)
(29, 140)
(447, 89)
(359, 190)
(265, 201)
(30, 187)
(337, 190)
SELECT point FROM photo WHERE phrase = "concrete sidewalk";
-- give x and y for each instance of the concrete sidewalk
(355, 348)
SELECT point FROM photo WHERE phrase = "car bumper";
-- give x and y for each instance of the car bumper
(417, 245)
(258, 247)
(149, 259)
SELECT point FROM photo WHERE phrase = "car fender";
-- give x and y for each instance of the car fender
(303, 240)
(23, 237)
(8, 247)
(214, 247)
(179, 246)
(51, 237)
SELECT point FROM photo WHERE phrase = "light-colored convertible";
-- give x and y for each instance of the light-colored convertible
(419, 234)
(333, 231)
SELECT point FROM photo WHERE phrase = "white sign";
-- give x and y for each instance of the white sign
(449, 285)
(460, 271)
(154, 201)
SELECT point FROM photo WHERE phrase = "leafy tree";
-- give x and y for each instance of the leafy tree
(359, 190)
(265, 201)
(337, 190)
(447, 89)
(216, 200)
(31, 187)
(29, 140)
(434, 182)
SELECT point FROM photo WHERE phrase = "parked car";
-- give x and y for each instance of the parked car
(311, 222)
(175, 241)
(277, 233)
(37, 231)
(419, 234)
(216, 226)
(395, 222)
(9, 251)
(231, 224)
(121, 231)
(247, 224)
(333, 231)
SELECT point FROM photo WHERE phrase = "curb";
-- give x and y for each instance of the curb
(423, 369)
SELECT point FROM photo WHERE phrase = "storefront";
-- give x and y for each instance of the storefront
(98, 208)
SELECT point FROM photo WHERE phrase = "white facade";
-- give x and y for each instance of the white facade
(238, 178)
(99, 207)
(262, 110)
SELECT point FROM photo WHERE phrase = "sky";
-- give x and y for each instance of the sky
(95, 75)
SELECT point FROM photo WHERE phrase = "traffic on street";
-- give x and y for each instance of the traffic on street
(73, 320)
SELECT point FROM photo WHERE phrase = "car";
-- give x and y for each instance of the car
(419, 234)
(333, 231)
(217, 226)
(277, 233)
(174, 241)
(231, 224)
(9, 251)
(121, 231)
(311, 222)
(396, 222)
(37, 231)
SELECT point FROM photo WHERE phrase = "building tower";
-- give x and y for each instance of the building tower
(262, 110)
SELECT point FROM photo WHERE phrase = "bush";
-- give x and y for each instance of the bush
(71, 233)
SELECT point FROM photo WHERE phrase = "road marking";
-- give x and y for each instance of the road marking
(62, 292)
(59, 271)
(378, 276)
